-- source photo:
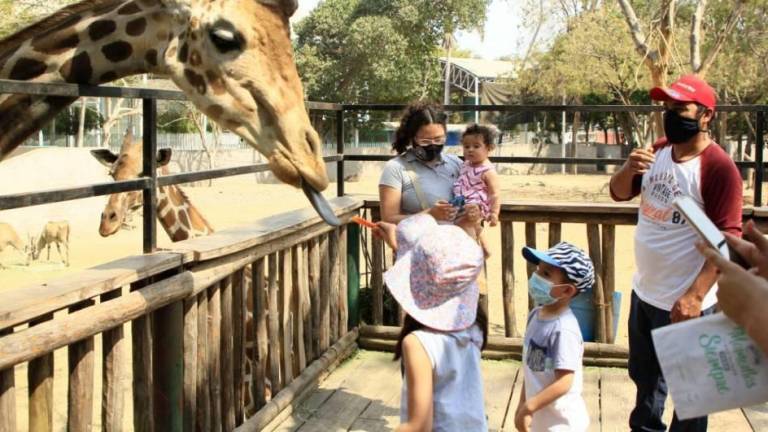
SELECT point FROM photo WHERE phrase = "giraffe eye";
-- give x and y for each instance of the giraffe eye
(226, 40)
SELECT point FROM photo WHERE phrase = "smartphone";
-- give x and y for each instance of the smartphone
(706, 229)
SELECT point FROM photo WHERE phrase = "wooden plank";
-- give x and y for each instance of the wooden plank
(203, 365)
(530, 241)
(300, 302)
(143, 384)
(227, 357)
(306, 305)
(286, 303)
(340, 411)
(114, 348)
(24, 303)
(617, 399)
(190, 364)
(259, 374)
(343, 305)
(81, 380)
(609, 277)
(593, 239)
(307, 379)
(40, 379)
(508, 278)
(274, 326)
(555, 233)
(335, 262)
(498, 383)
(757, 416)
(377, 281)
(168, 366)
(568, 207)
(314, 294)
(7, 395)
(214, 355)
(238, 340)
(325, 274)
(266, 230)
(591, 395)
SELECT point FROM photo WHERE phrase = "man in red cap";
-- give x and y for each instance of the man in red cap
(673, 282)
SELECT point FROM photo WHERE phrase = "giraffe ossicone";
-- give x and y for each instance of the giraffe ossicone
(232, 58)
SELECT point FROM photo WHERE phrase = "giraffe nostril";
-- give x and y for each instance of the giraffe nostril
(112, 216)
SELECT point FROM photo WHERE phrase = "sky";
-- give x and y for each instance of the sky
(502, 30)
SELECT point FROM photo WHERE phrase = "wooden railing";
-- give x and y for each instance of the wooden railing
(195, 359)
(599, 222)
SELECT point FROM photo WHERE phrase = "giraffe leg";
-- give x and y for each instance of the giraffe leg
(58, 248)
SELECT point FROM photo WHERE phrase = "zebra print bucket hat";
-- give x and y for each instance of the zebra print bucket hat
(573, 261)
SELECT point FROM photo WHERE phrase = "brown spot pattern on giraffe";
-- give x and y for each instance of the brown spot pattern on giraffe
(183, 219)
(162, 35)
(108, 77)
(194, 58)
(27, 69)
(129, 9)
(151, 57)
(197, 81)
(117, 51)
(183, 53)
(215, 111)
(100, 29)
(215, 82)
(136, 27)
(170, 218)
(57, 44)
(77, 69)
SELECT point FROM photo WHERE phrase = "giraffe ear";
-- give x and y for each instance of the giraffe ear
(287, 6)
(106, 157)
(163, 157)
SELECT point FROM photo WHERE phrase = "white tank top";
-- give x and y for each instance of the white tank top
(457, 382)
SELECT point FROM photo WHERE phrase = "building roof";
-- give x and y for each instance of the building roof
(486, 70)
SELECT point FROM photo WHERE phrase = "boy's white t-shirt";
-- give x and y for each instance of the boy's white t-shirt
(550, 345)
(457, 382)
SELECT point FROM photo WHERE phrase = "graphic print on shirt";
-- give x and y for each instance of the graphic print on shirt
(537, 357)
(659, 190)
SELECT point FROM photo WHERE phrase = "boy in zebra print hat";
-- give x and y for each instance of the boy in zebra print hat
(553, 346)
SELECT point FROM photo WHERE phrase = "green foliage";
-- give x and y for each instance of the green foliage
(384, 51)
(173, 119)
(67, 121)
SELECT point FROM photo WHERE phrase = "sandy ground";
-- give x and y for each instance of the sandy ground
(239, 200)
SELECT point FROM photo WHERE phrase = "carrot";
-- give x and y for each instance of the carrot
(363, 222)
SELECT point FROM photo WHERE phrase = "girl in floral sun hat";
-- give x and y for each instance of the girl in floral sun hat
(434, 281)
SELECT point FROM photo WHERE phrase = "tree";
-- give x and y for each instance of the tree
(657, 47)
(363, 51)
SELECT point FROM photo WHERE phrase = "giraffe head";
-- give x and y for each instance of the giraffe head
(124, 166)
(234, 60)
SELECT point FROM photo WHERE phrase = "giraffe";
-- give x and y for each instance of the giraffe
(232, 58)
(175, 212)
(177, 215)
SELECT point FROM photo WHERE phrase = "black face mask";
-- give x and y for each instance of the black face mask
(679, 129)
(427, 153)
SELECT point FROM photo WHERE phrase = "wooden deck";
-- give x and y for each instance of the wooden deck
(363, 394)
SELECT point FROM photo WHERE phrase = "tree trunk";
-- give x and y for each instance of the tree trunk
(81, 123)
(574, 169)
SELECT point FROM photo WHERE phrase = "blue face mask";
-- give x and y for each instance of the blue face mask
(539, 289)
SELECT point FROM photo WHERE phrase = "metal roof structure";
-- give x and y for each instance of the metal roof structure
(466, 74)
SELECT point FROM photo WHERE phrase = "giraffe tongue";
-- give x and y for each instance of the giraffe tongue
(320, 204)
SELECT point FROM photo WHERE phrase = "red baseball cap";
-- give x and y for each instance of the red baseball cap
(688, 88)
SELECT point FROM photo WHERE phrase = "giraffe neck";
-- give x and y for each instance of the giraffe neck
(178, 216)
(87, 43)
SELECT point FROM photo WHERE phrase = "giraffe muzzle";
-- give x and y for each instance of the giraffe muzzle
(320, 204)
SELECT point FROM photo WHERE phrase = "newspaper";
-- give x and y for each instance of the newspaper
(710, 365)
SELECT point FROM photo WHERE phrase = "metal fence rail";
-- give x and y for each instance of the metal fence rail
(149, 183)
